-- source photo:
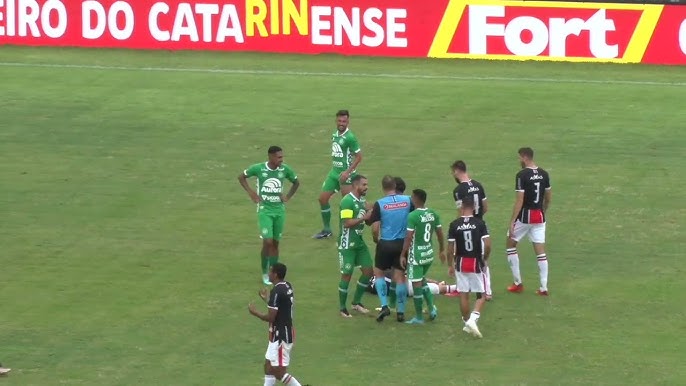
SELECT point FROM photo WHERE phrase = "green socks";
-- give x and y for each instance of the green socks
(343, 293)
(326, 216)
(362, 285)
(418, 300)
(428, 296)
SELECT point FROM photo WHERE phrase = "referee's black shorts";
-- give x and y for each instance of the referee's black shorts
(388, 254)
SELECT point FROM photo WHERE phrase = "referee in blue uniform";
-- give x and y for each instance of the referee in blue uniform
(391, 213)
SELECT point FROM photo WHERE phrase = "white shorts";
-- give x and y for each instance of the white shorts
(536, 232)
(279, 353)
(470, 282)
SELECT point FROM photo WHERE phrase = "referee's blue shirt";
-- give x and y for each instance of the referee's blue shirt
(392, 212)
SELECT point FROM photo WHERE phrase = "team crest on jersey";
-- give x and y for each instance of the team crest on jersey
(280, 174)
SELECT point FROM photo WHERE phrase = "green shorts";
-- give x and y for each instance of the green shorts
(332, 184)
(351, 258)
(271, 225)
(417, 272)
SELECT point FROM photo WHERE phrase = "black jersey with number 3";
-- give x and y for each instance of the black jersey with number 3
(467, 233)
(533, 182)
(471, 188)
(281, 300)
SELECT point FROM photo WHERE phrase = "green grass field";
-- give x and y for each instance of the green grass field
(130, 252)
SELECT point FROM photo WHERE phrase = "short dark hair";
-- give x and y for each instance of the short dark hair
(400, 185)
(468, 202)
(343, 113)
(460, 165)
(526, 152)
(357, 178)
(388, 183)
(274, 149)
(420, 194)
(280, 270)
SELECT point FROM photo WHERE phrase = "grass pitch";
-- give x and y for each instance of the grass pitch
(130, 252)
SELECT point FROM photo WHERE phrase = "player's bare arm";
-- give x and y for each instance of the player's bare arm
(451, 258)
(487, 248)
(264, 294)
(441, 244)
(353, 166)
(376, 230)
(269, 317)
(244, 183)
(484, 206)
(547, 197)
(353, 222)
(409, 236)
(291, 192)
(519, 202)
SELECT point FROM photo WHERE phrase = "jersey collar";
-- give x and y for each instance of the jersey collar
(338, 134)
(353, 196)
(266, 165)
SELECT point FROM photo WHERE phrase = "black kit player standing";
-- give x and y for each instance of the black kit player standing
(533, 196)
(281, 332)
(468, 187)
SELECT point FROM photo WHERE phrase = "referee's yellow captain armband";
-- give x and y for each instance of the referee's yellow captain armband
(346, 213)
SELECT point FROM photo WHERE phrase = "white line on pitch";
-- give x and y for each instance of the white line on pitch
(345, 74)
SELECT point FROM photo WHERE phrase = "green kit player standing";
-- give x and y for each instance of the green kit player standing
(352, 250)
(418, 249)
(271, 211)
(346, 156)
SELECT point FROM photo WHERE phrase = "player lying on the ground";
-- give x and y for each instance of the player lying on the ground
(436, 287)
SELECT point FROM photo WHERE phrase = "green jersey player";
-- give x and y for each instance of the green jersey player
(346, 156)
(418, 251)
(352, 250)
(271, 211)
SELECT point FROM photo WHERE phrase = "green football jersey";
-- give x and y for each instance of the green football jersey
(423, 222)
(351, 207)
(270, 184)
(343, 149)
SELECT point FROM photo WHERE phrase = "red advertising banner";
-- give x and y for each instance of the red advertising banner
(476, 29)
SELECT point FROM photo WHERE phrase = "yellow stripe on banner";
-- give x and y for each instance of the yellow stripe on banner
(446, 30)
(346, 213)
(642, 34)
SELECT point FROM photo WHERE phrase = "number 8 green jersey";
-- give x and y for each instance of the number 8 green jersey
(424, 222)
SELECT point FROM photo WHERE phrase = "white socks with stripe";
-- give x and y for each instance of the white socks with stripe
(269, 380)
(513, 260)
(543, 270)
(289, 380)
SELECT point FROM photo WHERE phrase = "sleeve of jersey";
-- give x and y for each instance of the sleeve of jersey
(273, 299)
(458, 197)
(354, 145)
(484, 231)
(518, 184)
(451, 233)
(411, 223)
(251, 171)
(376, 213)
(292, 177)
(346, 211)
